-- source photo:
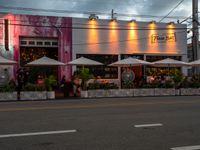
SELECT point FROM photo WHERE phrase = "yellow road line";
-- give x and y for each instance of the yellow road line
(84, 106)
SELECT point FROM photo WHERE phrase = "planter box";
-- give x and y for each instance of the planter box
(8, 96)
(139, 92)
(177, 92)
(144, 92)
(84, 94)
(125, 93)
(33, 95)
(165, 92)
(190, 91)
(96, 93)
(50, 94)
(108, 93)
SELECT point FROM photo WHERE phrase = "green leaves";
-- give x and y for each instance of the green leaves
(50, 82)
(85, 75)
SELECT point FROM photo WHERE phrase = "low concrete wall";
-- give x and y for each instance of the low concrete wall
(165, 92)
(190, 91)
(140, 92)
(8, 96)
(144, 92)
(26, 95)
(33, 95)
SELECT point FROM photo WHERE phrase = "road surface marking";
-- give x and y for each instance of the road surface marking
(37, 133)
(148, 125)
(196, 147)
(85, 106)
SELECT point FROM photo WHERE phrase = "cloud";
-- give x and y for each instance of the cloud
(142, 7)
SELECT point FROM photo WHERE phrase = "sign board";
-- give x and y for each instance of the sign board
(128, 75)
(163, 38)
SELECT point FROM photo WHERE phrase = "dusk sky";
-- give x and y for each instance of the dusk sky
(82, 8)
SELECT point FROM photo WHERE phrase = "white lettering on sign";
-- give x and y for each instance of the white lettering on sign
(160, 38)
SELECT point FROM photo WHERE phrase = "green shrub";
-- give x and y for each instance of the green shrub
(85, 75)
(33, 87)
(7, 88)
(50, 82)
(94, 86)
(29, 87)
(40, 88)
(110, 86)
(127, 84)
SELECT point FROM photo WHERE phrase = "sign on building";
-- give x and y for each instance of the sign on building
(163, 38)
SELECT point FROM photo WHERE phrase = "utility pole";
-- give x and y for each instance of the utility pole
(195, 30)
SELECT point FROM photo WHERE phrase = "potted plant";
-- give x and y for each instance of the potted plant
(84, 75)
(50, 82)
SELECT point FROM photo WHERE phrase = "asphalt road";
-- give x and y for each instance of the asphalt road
(148, 123)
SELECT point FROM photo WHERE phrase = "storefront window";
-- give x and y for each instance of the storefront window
(156, 58)
(160, 71)
(133, 74)
(104, 71)
(28, 54)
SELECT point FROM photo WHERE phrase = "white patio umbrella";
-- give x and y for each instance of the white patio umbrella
(4, 61)
(168, 62)
(82, 61)
(45, 61)
(127, 62)
(195, 63)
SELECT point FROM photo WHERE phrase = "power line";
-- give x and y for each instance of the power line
(101, 28)
(95, 28)
(190, 17)
(118, 41)
(71, 27)
(171, 10)
(78, 25)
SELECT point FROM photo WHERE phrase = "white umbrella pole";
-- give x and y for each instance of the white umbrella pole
(168, 70)
(144, 73)
(120, 82)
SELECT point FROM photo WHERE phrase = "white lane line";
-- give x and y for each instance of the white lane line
(37, 133)
(196, 147)
(148, 125)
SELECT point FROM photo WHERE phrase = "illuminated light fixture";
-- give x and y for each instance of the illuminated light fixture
(171, 23)
(133, 20)
(93, 17)
(114, 19)
(152, 22)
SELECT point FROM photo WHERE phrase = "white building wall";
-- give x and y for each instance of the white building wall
(90, 40)
(93, 37)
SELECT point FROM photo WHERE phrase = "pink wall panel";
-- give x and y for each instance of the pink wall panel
(44, 27)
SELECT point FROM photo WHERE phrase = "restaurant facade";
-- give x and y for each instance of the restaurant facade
(25, 38)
